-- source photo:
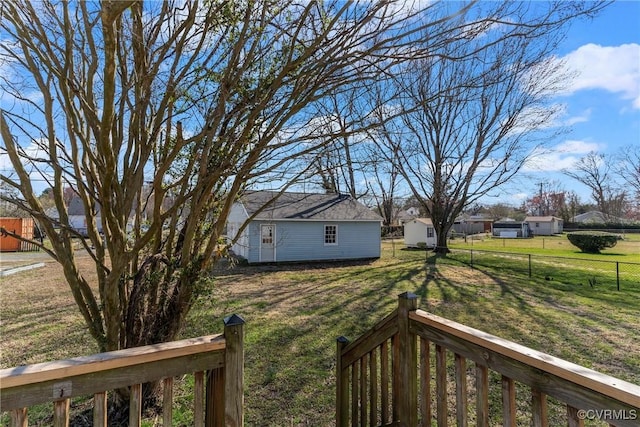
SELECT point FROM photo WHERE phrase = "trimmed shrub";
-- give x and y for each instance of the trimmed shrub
(593, 242)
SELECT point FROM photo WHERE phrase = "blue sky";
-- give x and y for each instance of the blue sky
(602, 105)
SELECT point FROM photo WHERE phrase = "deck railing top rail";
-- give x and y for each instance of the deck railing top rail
(580, 375)
(216, 362)
(378, 381)
(47, 371)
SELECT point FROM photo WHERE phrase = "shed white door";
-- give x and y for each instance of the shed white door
(267, 243)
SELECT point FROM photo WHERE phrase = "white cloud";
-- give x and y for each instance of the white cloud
(582, 118)
(38, 172)
(612, 68)
(577, 147)
(520, 197)
(562, 156)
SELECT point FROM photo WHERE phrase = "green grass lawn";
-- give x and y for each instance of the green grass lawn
(294, 314)
(627, 250)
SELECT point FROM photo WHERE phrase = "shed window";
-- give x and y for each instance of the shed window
(330, 234)
(429, 232)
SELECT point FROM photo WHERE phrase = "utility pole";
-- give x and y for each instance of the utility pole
(540, 203)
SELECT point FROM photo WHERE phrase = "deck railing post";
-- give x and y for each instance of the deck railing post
(342, 386)
(234, 371)
(405, 384)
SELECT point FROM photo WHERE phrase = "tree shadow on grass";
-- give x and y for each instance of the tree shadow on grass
(293, 321)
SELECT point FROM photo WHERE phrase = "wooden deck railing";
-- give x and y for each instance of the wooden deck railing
(385, 378)
(216, 361)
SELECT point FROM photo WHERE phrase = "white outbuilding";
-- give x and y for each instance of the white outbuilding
(419, 232)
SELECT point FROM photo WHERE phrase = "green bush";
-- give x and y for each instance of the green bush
(593, 242)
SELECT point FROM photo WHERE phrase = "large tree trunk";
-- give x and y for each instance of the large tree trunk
(442, 232)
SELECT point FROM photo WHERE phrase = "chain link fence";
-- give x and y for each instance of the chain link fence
(585, 272)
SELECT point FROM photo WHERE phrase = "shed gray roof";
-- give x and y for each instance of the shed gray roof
(301, 206)
(549, 218)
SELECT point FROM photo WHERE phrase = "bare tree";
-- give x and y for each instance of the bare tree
(339, 166)
(162, 113)
(478, 109)
(629, 171)
(594, 171)
(551, 198)
(383, 173)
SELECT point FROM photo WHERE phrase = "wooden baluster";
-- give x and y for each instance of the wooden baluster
(342, 386)
(482, 395)
(508, 402)
(167, 402)
(363, 391)
(19, 417)
(135, 405)
(61, 413)
(461, 390)
(355, 368)
(373, 388)
(198, 399)
(539, 408)
(425, 381)
(396, 386)
(441, 385)
(215, 398)
(100, 409)
(384, 382)
(572, 417)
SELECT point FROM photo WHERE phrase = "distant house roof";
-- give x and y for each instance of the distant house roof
(407, 214)
(425, 221)
(76, 207)
(473, 218)
(300, 206)
(597, 217)
(549, 218)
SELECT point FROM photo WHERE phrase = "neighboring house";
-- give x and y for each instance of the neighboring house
(597, 217)
(77, 217)
(303, 227)
(472, 224)
(407, 215)
(510, 229)
(544, 225)
(420, 232)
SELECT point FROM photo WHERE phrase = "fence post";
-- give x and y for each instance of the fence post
(618, 274)
(529, 265)
(342, 386)
(471, 258)
(234, 371)
(405, 384)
